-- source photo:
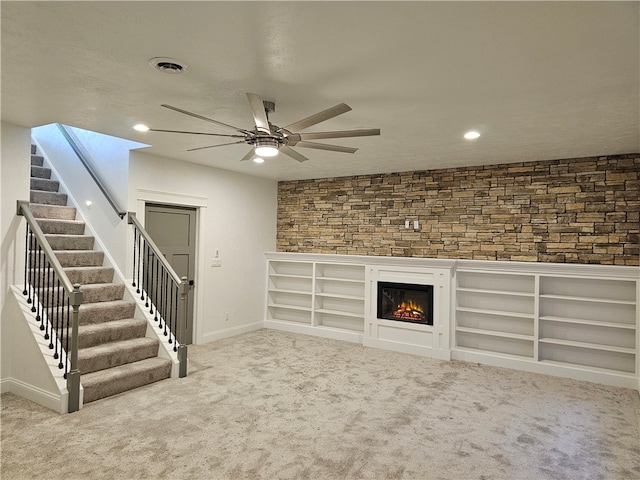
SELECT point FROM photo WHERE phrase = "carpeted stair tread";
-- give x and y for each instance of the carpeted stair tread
(38, 171)
(49, 198)
(80, 258)
(92, 313)
(102, 292)
(83, 275)
(63, 227)
(116, 330)
(37, 160)
(59, 212)
(70, 242)
(126, 377)
(114, 354)
(86, 275)
(33, 149)
(45, 184)
(92, 293)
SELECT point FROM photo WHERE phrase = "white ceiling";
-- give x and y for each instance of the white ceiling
(539, 80)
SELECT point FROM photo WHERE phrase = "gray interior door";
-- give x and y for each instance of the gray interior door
(173, 230)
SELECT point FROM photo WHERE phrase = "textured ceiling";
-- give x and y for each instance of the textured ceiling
(539, 80)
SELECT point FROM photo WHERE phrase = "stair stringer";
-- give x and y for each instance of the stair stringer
(34, 374)
(165, 349)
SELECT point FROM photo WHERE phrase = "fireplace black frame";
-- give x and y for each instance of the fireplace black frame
(422, 289)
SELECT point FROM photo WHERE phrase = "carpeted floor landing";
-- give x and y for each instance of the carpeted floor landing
(274, 405)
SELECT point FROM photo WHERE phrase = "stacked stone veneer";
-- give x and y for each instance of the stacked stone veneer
(574, 211)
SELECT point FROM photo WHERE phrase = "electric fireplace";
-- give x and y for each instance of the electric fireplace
(405, 302)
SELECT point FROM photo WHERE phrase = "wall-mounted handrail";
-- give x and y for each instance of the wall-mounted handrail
(44, 284)
(85, 159)
(162, 290)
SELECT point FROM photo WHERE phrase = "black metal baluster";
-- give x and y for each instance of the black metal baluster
(153, 288)
(161, 306)
(31, 260)
(26, 259)
(56, 314)
(140, 257)
(146, 273)
(48, 293)
(39, 291)
(135, 237)
(169, 318)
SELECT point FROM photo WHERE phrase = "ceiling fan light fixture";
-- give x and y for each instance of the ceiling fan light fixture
(266, 147)
(472, 135)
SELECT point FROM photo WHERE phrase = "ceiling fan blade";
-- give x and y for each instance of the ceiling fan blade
(293, 154)
(195, 133)
(318, 117)
(195, 115)
(340, 134)
(249, 155)
(259, 113)
(213, 146)
(324, 146)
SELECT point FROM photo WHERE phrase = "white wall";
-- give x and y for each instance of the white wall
(110, 157)
(14, 185)
(237, 217)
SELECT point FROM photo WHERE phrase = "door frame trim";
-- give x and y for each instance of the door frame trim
(144, 196)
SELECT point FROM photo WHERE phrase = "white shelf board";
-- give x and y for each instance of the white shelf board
(495, 333)
(339, 279)
(289, 307)
(339, 295)
(489, 353)
(341, 313)
(596, 323)
(587, 299)
(588, 368)
(496, 292)
(495, 312)
(288, 275)
(591, 346)
(285, 290)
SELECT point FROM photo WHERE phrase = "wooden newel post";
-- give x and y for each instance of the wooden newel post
(181, 328)
(73, 376)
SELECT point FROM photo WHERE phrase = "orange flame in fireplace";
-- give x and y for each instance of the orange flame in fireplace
(409, 310)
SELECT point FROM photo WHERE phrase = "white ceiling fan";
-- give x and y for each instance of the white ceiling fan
(267, 139)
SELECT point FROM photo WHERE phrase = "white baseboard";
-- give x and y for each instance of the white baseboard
(325, 332)
(230, 332)
(57, 403)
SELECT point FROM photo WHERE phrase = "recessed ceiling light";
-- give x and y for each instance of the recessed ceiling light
(258, 160)
(141, 128)
(168, 65)
(472, 135)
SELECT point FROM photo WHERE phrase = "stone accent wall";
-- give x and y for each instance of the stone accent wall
(567, 211)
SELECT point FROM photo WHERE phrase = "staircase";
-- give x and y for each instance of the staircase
(114, 355)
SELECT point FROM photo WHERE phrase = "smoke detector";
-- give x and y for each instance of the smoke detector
(168, 65)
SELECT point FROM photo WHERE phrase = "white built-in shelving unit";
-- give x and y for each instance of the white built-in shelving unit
(558, 319)
(325, 299)
(496, 312)
(588, 322)
(577, 321)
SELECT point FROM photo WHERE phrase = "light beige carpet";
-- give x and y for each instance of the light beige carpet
(270, 405)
